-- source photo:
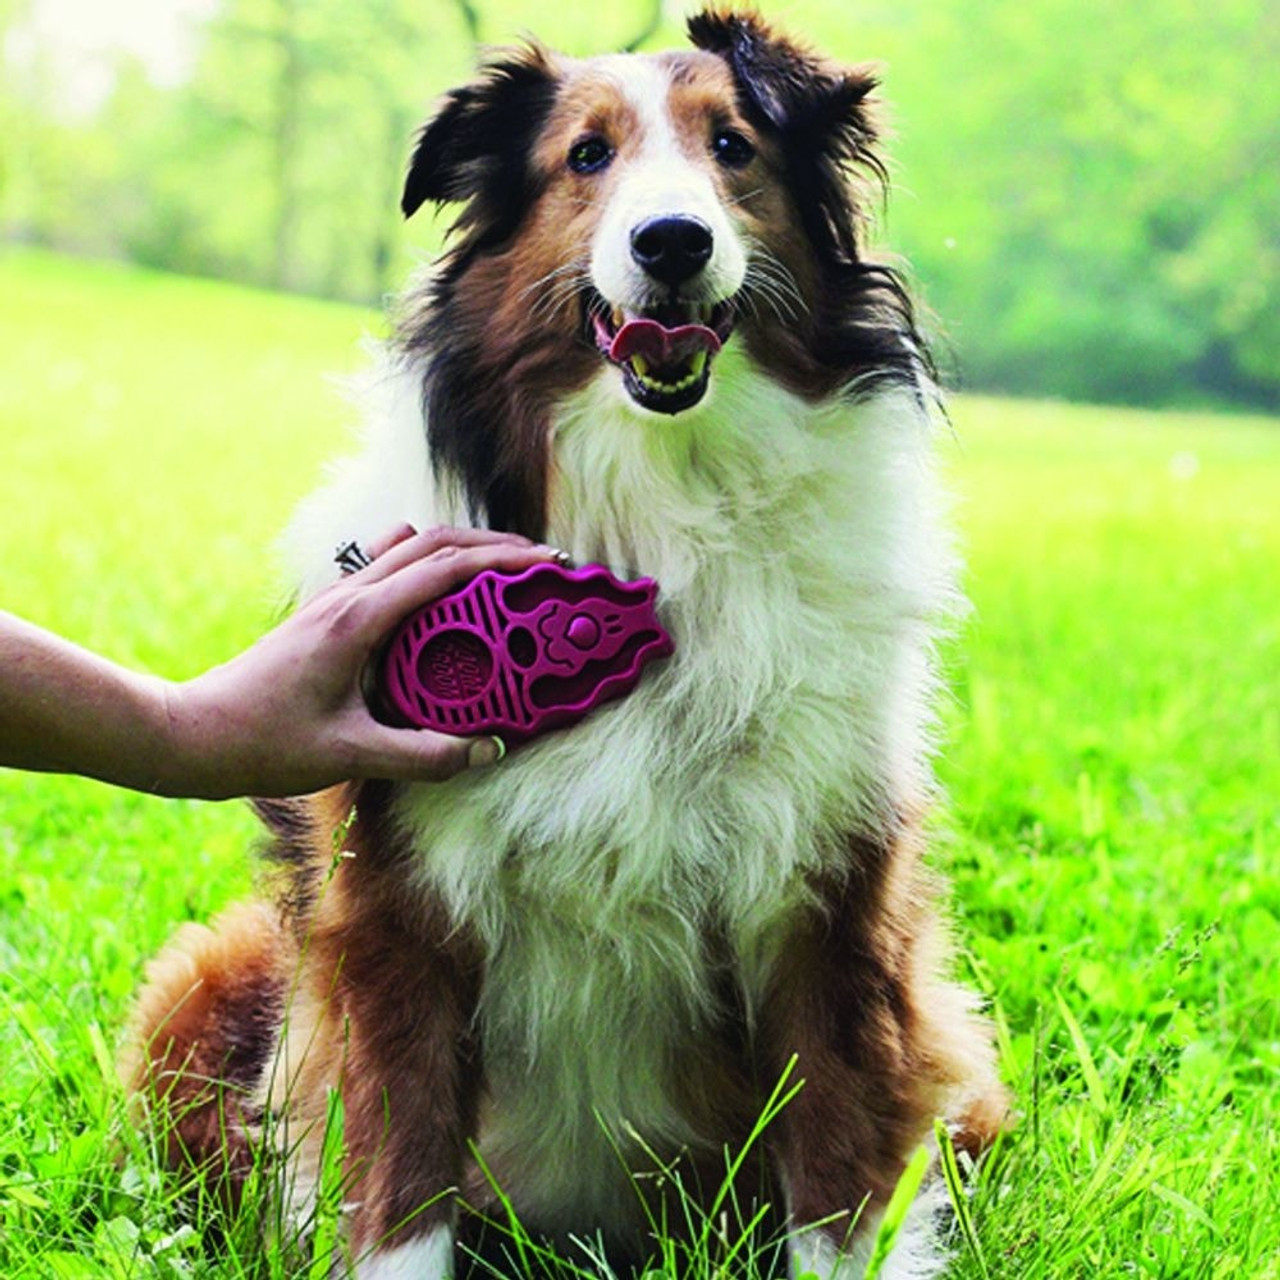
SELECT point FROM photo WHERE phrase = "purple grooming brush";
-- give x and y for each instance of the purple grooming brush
(518, 655)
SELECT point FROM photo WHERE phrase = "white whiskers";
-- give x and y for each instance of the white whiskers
(557, 288)
(770, 282)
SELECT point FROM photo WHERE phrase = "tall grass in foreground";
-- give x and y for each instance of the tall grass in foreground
(1113, 764)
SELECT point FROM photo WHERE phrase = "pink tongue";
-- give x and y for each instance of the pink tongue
(660, 345)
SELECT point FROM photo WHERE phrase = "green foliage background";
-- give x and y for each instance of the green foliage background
(1090, 195)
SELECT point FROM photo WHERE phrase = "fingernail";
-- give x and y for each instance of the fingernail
(485, 751)
(562, 558)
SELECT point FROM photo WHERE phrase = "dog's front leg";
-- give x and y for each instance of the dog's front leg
(400, 1018)
(409, 1089)
(844, 1003)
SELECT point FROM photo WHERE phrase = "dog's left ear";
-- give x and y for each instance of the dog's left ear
(819, 110)
(475, 146)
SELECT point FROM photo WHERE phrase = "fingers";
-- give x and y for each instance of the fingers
(404, 550)
(414, 569)
(423, 580)
(393, 537)
(421, 755)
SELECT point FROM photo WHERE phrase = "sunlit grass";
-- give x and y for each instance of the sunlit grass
(1115, 771)
(1113, 766)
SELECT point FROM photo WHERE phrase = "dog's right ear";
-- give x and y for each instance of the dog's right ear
(819, 111)
(477, 145)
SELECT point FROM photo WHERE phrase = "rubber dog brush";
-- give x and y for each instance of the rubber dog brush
(517, 655)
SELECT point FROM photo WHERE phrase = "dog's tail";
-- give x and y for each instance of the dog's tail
(203, 1032)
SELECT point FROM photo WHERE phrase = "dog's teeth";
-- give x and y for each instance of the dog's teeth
(619, 317)
(698, 365)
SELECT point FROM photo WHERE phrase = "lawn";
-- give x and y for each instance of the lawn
(1112, 762)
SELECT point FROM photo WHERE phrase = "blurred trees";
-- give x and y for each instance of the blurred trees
(1091, 199)
(280, 162)
(1099, 194)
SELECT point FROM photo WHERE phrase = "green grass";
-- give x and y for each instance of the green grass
(1115, 772)
(1113, 763)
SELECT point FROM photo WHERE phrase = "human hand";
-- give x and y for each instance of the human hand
(288, 715)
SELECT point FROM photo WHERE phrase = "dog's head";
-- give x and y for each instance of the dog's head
(661, 200)
(623, 219)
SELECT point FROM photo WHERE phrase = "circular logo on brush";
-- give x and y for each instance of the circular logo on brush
(455, 666)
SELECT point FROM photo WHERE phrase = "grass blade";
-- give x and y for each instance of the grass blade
(958, 1192)
(1088, 1067)
(329, 1195)
(895, 1213)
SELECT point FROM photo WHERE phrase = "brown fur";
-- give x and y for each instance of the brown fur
(382, 997)
(388, 999)
(203, 1030)
(882, 1043)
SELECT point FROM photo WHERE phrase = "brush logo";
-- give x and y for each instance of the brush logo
(455, 666)
(570, 635)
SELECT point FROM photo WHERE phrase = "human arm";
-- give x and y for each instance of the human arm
(286, 716)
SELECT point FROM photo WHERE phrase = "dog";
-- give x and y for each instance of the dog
(568, 985)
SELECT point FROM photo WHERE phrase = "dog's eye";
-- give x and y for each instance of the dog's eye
(588, 155)
(732, 149)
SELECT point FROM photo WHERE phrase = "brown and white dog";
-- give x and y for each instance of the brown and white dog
(601, 955)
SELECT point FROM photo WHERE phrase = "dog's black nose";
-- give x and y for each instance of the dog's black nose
(672, 248)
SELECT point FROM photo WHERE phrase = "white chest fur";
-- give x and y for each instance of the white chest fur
(803, 575)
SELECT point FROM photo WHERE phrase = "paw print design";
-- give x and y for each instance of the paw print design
(571, 634)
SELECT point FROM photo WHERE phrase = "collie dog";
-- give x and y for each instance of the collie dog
(567, 985)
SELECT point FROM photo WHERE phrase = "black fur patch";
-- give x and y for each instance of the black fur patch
(476, 149)
(820, 115)
(291, 847)
(470, 436)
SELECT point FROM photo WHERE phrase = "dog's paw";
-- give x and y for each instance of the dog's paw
(426, 1257)
(917, 1253)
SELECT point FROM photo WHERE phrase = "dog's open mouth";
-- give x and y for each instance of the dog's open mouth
(664, 352)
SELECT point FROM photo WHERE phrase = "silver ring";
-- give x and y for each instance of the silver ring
(351, 557)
